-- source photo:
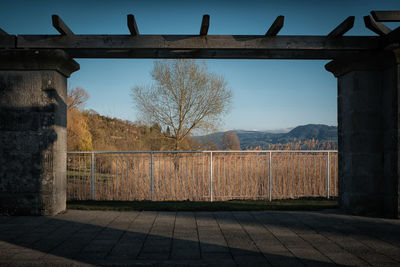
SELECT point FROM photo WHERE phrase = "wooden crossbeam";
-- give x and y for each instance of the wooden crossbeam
(214, 54)
(205, 24)
(214, 46)
(185, 42)
(386, 16)
(276, 26)
(133, 29)
(2, 32)
(60, 26)
(375, 26)
(342, 28)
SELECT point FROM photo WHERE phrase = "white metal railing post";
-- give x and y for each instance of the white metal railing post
(269, 176)
(151, 175)
(92, 177)
(211, 177)
(329, 176)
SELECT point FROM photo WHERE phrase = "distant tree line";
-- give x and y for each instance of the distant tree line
(295, 144)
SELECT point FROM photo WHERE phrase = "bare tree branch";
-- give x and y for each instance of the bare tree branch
(77, 98)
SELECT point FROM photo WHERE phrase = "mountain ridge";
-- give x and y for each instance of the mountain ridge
(263, 139)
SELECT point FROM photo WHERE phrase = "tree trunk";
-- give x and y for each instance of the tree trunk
(176, 158)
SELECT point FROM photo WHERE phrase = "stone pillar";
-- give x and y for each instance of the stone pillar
(33, 139)
(368, 133)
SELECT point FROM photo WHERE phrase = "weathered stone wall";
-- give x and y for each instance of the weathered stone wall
(368, 134)
(33, 91)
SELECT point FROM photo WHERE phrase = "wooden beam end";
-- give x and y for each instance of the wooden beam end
(375, 26)
(60, 26)
(342, 28)
(3, 32)
(205, 24)
(132, 26)
(276, 26)
(386, 16)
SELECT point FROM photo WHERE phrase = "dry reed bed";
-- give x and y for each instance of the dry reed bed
(187, 176)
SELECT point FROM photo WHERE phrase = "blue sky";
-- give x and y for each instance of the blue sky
(268, 94)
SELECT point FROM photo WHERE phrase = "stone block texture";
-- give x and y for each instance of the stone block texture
(368, 134)
(33, 93)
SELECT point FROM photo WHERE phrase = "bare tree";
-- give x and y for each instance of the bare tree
(184, 96)
(230, 141)
(77, 98)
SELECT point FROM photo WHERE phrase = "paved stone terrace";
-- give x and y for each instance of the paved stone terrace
(268, 238)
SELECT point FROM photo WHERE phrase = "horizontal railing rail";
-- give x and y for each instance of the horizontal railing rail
(201, 175)
(201, 151)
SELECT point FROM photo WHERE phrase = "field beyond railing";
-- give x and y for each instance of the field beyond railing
(201, 175)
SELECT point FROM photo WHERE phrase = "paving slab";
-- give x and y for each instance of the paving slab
(255, 238)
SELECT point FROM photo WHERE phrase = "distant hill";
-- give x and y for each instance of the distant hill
(260, 139)
(317, 131)
(112, 134)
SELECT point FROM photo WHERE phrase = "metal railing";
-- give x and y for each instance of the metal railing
(201, 175)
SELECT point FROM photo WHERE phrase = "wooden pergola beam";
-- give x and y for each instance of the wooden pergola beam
(342, 28)
(185, 42)
(205, 24)
(214, 54)
(214, 46)
(375, 26)
(276, 26)
(268, 46)
(132, 26)
(386, 16)
(60, 26)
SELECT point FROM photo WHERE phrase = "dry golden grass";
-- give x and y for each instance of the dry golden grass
(187, 176)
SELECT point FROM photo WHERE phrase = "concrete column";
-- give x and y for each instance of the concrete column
(33, 139)
(368, 133)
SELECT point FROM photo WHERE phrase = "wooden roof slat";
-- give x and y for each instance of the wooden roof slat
(342, 28)
(375, 26)
(60, 26)
(386, 16)
(276, 26)
(205, 24)
(133, 28)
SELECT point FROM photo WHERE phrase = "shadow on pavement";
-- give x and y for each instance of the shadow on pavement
(126, 238)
